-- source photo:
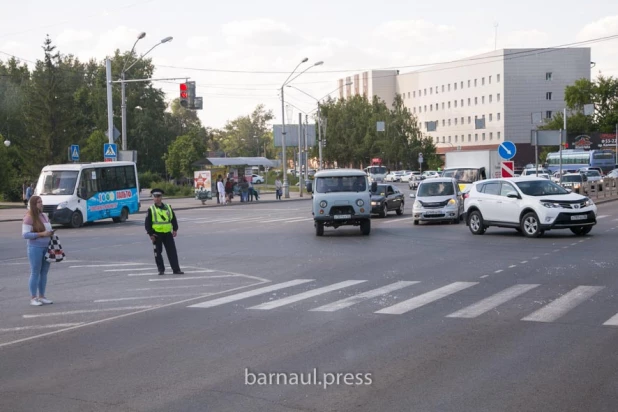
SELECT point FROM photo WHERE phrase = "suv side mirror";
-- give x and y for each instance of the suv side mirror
(512, 195)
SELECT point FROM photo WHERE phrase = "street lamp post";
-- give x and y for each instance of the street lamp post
(123, 83)
(286, 184)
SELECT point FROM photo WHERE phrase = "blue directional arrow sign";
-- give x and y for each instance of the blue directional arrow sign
(110, 151)
(507, 150)
(75, 153)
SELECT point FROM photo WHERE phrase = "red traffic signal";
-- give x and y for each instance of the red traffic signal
(184, 95)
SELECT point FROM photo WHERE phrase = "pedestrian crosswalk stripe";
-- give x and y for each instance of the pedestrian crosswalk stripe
(563, 304)
(602, 217)
(613, 321)
(353, 300)
(250, 293)
(492, 302)
(306, 295)
(426, 298)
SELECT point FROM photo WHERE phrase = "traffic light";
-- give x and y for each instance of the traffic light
(184, 95)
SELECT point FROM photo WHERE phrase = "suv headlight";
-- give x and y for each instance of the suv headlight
(550, 204)
(588, 202)
(63, 205)
(360, 202)
(323, 204)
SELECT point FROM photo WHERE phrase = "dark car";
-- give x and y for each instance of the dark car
(574, 182)
(386, 198)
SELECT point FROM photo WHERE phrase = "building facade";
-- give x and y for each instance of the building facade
(482, 101)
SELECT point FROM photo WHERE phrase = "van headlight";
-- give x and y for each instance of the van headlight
(451, 202)
(360, 202)
(417, 204)
(323, 204)
(63, 205)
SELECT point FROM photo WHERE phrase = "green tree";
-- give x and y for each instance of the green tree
(92, 151)
(183, 153)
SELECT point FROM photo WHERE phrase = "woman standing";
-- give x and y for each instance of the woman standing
(37, 230)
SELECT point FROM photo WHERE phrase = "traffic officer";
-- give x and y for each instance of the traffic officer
(162, 227)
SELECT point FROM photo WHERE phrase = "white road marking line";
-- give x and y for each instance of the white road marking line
(556, 250)
(426, 298)
(546, 254)
(397, 220)
(613, 321)
(186, 271)
(110, 265)
(76, 312)
(174, 278)
(126, 270)
(614, 220)
(512, 266)
(181, 286)
(124, 315)
(536, 257)
(299, 220)
(145, 297)
(602, 217)
(306, 295)
(484, 276)
(353, 300)
(563, 304)
(581, 241)
(278, 220)
(34, 327)
(498, 271)
(250, 293)
(565, 247)
(492, 301)
(574, 244)
(524, 261)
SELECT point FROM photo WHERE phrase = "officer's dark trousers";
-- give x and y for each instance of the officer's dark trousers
(167, 240)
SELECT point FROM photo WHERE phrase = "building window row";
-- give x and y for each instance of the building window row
(447, 88)
(462, 120)
(436, 106)
(462, 138)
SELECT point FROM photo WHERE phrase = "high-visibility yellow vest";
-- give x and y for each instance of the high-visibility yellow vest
(161, 219)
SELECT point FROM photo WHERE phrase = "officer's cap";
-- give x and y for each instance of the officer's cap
(156, 192)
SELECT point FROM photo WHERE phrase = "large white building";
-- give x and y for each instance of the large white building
(503, 87)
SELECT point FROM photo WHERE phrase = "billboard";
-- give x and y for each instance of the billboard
(590, 141)
(291, 135)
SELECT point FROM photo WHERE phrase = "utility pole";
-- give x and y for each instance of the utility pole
(110, 105)
(320, 136)
(286, 185)
(123, 111)
(300, 153)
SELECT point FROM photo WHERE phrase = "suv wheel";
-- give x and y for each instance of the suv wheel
(530, 225)
(476, 223)
(581, 230)
(319, 228)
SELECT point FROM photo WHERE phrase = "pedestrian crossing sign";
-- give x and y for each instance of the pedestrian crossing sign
(110, 151)
(74, 153)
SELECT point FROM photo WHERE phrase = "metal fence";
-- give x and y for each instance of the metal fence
(602, 189)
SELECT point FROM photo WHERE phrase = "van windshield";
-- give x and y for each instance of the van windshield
(341, 184)
(463, 175)
(57, 182)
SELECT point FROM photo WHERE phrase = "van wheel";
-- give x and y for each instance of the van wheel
(124, 215)
(530, 225)
(319, 228)
(476, 223)
(365, 227)
(76, 220)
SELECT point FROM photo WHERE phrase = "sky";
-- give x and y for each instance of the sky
(241, 52)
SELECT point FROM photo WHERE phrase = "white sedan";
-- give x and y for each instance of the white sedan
(257, 179)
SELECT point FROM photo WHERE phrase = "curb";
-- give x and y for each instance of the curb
(199, 206)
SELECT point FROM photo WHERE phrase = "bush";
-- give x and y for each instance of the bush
(147, 179)
(171, 189)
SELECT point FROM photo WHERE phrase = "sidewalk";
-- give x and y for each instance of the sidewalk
(15, 211)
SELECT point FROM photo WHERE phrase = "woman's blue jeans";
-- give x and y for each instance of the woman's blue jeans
(38, 270)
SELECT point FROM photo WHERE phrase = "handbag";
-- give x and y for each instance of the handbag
(54, 250)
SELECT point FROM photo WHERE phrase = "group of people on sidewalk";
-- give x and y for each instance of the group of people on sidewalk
(226, 191)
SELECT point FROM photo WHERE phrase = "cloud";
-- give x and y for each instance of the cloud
(399, 31)
(604, 54)
(198, 42)
(523, 39)
(71, 38)
(261, 33)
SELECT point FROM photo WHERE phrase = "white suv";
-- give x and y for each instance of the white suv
(530, 205)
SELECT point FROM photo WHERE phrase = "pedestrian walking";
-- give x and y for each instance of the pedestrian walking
(37, 230)
(221, 190)
(162, 227)
(278, 187)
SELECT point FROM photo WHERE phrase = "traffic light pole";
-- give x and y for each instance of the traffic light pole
(123, 108)
(110, 105)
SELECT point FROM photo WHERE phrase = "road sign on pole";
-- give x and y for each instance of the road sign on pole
(508, 168)
(110, 151)
(507, 150)
(74, 153)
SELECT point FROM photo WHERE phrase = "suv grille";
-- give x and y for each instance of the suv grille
(570, 204)
(341, 210)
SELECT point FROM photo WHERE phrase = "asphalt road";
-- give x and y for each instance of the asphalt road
(426, 318)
